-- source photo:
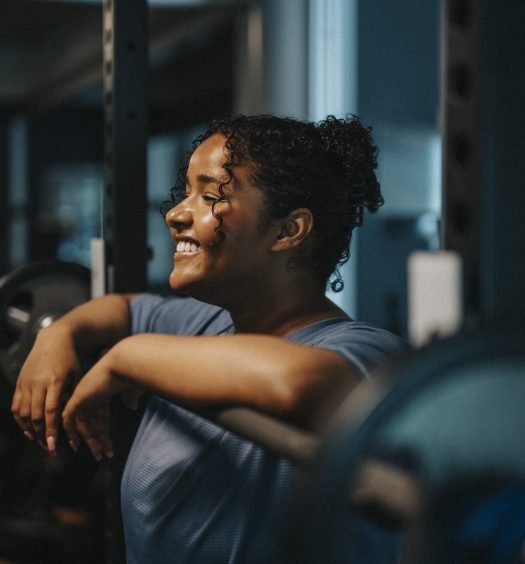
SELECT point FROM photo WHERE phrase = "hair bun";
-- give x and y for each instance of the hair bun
(349, 143)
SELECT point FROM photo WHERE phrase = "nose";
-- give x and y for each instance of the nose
(179, 218)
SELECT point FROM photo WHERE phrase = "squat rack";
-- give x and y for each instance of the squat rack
(125, 59)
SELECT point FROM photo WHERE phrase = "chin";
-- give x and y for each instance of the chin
(177, 284)
(185, 285)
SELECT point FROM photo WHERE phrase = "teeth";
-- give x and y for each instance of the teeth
(187, 247)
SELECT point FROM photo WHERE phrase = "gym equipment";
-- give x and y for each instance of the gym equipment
(483, 171)
(444, 431)
(31, 298)
(125, 61)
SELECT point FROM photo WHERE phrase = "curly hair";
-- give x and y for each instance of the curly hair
(327, 167)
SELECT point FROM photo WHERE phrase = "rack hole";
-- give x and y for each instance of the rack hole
(460, 149)
(460, 13)
(460, 218)
(460, 80)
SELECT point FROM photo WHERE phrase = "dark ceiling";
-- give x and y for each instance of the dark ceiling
(51, 57)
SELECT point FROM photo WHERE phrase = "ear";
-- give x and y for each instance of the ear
(293, 229)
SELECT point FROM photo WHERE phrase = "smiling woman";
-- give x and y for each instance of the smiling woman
(261, 218)
(215, 226)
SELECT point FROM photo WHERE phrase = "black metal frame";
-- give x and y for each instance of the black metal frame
(4, 200)
(125, 60)
(483, 159)
(125, 48)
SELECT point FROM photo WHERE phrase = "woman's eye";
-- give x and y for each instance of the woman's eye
(211, 198)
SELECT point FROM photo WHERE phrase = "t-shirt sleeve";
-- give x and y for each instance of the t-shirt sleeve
(177, 315)
(141, 309)
(365, 347)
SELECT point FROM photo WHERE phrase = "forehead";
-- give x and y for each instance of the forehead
(210, 154)
(208, 160)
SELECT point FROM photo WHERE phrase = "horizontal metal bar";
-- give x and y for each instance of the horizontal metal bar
(278, 436)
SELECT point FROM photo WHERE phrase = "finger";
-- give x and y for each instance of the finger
(70, 427)
(23, 414)
(38, 398)
(52, 413)
(89, 433)
(15, 409)
(15, 401)
(101, 426)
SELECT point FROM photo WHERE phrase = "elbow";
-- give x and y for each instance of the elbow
(292, 399)
(289, 399)
(310, 397)
(283, 392)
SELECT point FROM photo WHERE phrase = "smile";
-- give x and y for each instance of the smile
(187, 247)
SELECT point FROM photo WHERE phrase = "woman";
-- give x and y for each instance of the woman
(261, 218)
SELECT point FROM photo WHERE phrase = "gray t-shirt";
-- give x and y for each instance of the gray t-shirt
(195, 493)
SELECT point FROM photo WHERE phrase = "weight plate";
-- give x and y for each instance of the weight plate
(32, 297)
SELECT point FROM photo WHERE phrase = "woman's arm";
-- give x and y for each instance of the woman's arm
(266, 373)
(54, 363)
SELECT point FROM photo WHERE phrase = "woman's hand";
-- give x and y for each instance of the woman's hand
(86, 414)
(50, 370)
(53, 367)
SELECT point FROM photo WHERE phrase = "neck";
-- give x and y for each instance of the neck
(282, 313)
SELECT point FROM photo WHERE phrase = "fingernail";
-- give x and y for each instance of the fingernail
(29, 436)
(51, 445)
(42, 445)
(98, 457)
(73, 446)
(109, 454)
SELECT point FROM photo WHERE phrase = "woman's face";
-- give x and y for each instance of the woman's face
(209, 264)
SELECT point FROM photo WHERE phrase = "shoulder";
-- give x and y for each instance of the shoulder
(177, 314)
(362, 345)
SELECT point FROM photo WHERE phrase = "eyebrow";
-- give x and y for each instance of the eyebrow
(205, 179)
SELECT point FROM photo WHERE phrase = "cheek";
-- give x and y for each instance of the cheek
(213, 230)
(235, 226)
(209, 222)
(208, 229)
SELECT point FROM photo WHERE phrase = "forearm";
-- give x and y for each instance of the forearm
(95, 325)
(263, 372)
